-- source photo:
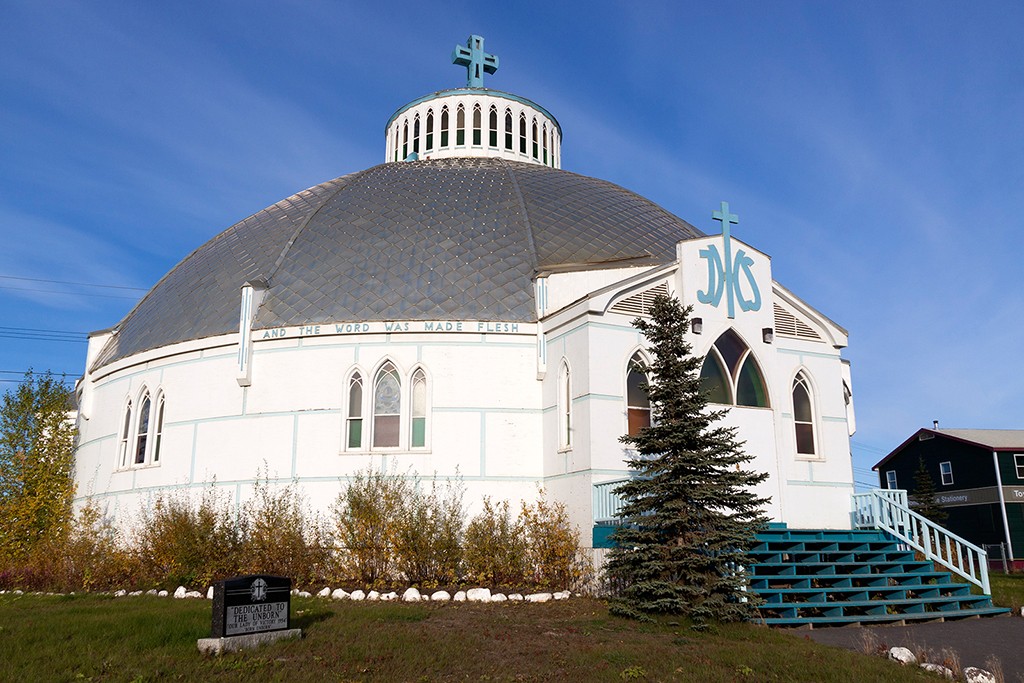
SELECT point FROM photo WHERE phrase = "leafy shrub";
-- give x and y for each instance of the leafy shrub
(553, 553)
(428, 544)
(496, 550)
(367, 521)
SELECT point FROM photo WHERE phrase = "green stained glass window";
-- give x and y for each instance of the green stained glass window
(750, 386)
(419, 409)
(508, 129)
(713, 380)
(355, 412)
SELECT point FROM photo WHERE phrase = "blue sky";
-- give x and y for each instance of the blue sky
(873, 149)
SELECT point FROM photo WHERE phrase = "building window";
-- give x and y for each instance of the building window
(946, 469)
(476, 125)
(460, 126)
(430, 130)
(544, 137)
(396, 143)
(354, 427)
(416, 134)
(444, 127)
(405, 139)
(493, 132)
(1018, 460)
(730, 374)
(159, 433)
(142, 434)
(387, 407)
(638, 405)
(508, 129)
(564, 407)
(123, 457)
(803, 415)
(522, 133)
(419, 409)
(535, 138)
(890, 479)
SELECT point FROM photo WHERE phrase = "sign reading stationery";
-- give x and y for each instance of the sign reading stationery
(251, 604)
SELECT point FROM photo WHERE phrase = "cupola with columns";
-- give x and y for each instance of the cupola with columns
(474, 121)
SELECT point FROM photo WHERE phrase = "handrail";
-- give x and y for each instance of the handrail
(887, 510)
(607, 505)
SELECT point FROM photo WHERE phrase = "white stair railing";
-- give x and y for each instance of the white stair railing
(887, 510)
(607, 505)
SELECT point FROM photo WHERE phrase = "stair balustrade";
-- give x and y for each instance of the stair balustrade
(887, 510)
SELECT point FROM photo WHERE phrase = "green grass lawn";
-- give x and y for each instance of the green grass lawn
(75, 638)
(1007, 590)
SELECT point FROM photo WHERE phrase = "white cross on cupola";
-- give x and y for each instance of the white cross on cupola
(476, 61)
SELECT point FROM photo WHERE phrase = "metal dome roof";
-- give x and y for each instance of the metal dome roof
(450, 238)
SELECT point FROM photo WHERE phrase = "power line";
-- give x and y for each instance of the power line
(53, 291)
(77, 284)
(32, 372)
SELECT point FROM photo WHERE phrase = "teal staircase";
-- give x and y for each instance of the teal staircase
(810, 577)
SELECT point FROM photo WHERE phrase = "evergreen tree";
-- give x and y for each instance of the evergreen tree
(37, 443)
(689, 509)
(924, 500)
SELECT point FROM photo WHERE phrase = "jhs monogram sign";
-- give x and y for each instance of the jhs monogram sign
(250, 604)
(724, 275)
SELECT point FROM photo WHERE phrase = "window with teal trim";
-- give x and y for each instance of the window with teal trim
(387, 407)
(430, 130)
(508, 129)
(522, 133)
(460, 126)
(444, 127)
(419, 409)
(477, 123)
(416, 135)
(535, 138)
(544, 137)
(354, 427)
(405, 139)
(493, 128)
(730, 374)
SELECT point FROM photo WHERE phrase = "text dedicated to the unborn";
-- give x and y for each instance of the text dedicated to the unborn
(256, 618)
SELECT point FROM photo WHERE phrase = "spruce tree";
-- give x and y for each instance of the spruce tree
(924, 500)
(690, 512)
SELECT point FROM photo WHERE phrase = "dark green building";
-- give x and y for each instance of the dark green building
(979, 478)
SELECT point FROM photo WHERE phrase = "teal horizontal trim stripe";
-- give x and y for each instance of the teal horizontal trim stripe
(96, 440)
(839, 484)
(833, 419)
(455, 409)
(288, 413)
(597, 397)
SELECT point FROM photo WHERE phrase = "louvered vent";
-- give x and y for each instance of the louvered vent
(640, 303)
(787, 325)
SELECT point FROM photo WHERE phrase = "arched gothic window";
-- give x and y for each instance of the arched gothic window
(731, 375)
(476, 125)
(142, 433)
(535, 138)
(444, 127)
(123, 457)
(405, 139)
(544, 137)
(430, 130)
(803, 415)
(416, 134)
(564, 407)
(396, 143)
(508, 129)
(419, 409)
(460, 126)
(638, 405)
(158, 433)
(522, 133)
(492, 138)
(387, 407)
(354, 427)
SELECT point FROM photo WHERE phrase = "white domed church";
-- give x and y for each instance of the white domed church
(462, 310)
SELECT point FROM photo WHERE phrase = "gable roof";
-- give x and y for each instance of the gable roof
(992, 439)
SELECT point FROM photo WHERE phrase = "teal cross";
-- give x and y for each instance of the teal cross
(726, 219)
(474, 59)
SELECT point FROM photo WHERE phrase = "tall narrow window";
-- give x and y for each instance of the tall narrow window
(444, 127)
(159, 433)
(544, 137)
(416, 135)
(355, 412)
(396, 143)
(638, 405)
(946, 470)
(123, 458)
(713, 380)
(508, 129)
(493, 132)
(522, 134)
(387, 407)
(890, 479)
(476, 125)
(405, 139)
(430, 130)
(419, 409)
(535, 138)
(460, 126)
(565, 407)
(803, 415)
(142, 434)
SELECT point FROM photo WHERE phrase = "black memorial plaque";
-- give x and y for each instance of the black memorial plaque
(251, 604)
